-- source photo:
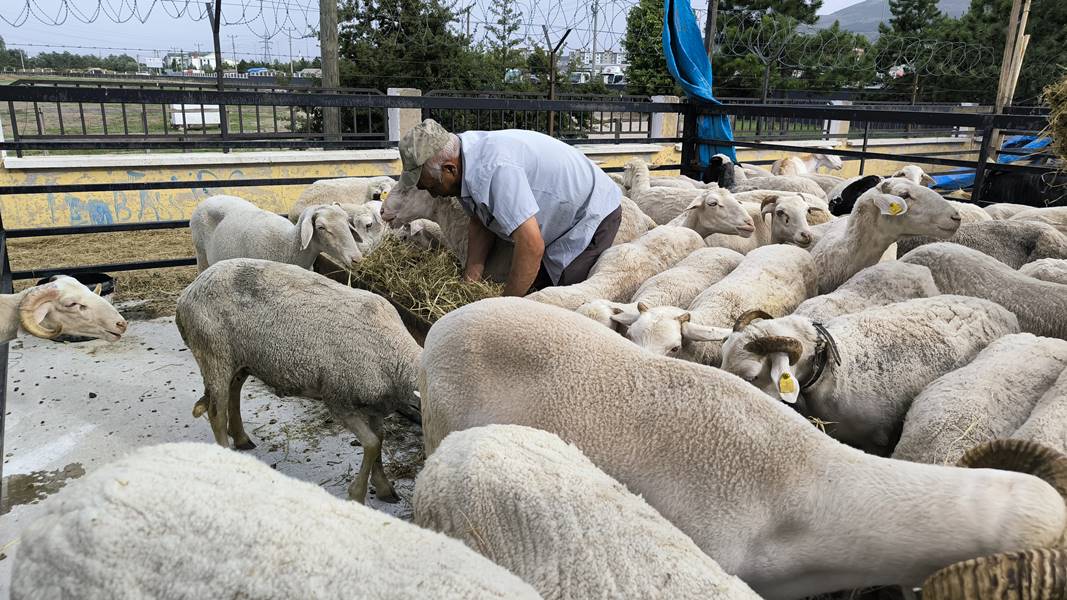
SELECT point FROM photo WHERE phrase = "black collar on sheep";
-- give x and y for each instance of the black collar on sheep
(826, 345)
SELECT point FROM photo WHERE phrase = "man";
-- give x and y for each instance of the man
(559, 208)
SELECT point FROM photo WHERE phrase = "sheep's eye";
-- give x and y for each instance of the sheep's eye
(905, 195)
(675, 349)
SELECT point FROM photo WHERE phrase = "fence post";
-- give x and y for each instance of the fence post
(5, 288)
(664, 125)
(402, 119)
(983, 156)
(966, 130)
(838, 128)
(690, 166)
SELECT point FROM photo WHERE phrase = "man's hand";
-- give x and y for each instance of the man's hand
(479, 242)
(526, 261)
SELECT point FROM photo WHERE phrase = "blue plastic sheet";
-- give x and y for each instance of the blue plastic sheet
(964, 178)
(687, 61)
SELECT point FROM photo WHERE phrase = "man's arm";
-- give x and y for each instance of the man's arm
(526, 261)
(479, 241)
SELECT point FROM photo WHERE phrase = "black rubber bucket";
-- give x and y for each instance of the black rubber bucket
(90, 280)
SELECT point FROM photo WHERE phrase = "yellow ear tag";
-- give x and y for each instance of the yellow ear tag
(895, 208)
(384, 195)
(786, 384)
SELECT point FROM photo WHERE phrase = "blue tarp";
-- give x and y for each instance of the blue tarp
(958, 180)
(688, 63)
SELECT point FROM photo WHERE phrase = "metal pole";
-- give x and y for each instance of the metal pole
(290, 34)
(866, 133)
(983, 156)
(552, 73)
(766, 92)
(592, 60)
(709, 27)
(5, 288)
(215, 16)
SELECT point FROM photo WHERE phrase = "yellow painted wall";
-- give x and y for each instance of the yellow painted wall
(61, 208)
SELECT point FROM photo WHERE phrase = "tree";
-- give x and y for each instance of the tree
(500, 34)
(800, 10)
(643, 43)
(911, 16)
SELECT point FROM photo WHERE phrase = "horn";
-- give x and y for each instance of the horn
(30, 302)
(642, 307)
(99, 288)
(1036, 574)
(684, 317)
(776, 343)
(746, 319)
(1021, 456)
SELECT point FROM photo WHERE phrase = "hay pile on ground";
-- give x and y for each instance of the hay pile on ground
(1055, 96)
(425, 282)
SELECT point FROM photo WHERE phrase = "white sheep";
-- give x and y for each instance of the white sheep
(826, 182)
(1005, 210)
(878, 285)
(344, 190)
(876, 364)
(634, 223)
(914, 174)
(788, 214)
(677, 286)
(1046, 269)
(1047, 423)
(804, 164)
(970, 213)
(1014, 243)
(621, 269)
(773, 279)
(522, 497)
(751, 171)
(423, 233)
(1055, 216)
(767, 496)
(344, 346)
(784, 183)
(225, 227)
(63, 305)
(988, 399)
(660, 203)
(1040, 305)
(716, 211)
(882, 211)
(190, 521)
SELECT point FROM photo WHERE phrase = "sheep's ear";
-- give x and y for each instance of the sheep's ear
(891, 205)
(843, 205)
(702, 333)
(711, 200)
(768, 205)
(785, 381)
(307, 228)
(625, 317)
(355, 233)
(926, 180)
(642, 307)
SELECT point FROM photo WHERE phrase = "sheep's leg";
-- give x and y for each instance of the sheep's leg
(383, 489)
(372, 452)
(236, 423)
(217, 409)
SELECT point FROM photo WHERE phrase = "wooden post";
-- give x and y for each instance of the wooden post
(331, 75)
(1010, 63)
(552, 73)
(709, 26)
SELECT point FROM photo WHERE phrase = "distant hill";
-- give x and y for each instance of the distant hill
(865, 16)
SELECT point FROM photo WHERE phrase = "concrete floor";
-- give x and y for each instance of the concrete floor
(74, 407)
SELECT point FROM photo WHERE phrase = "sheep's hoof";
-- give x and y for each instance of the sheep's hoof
(389, 498)
(245, 445)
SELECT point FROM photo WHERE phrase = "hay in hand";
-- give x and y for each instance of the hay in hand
(426, 282)
(1055, 96)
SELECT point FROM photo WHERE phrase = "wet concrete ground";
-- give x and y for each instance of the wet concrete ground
(74, 407)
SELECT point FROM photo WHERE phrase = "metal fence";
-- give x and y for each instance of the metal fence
(485, 112)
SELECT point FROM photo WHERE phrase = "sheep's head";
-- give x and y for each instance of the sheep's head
(65, 305)
(831, 161)
(630, 170)
(718, 211)
(789, 219)
(768, 353)
(664, 330)
(914, 174)
(789, 166)
(911, 209)
(720, 171)
(380, 190)
(404, 205)
(602, 312)
(327, 229)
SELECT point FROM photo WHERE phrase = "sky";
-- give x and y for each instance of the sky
(172, 25)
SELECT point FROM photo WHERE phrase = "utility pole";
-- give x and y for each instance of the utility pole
(553, 50)
(331, 76)
(289, 32)
(215, 17)
(592, 60)
(709, 27)
(233, 47)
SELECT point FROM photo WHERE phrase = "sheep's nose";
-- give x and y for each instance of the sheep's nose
(805, 237)
(121, 325)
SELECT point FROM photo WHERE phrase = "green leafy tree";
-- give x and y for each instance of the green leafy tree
(643, 42)
(911, 16)
(500, 35)
(802, 11)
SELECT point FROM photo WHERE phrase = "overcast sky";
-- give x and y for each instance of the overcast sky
(280, 22)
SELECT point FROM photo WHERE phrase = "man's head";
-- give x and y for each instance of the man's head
(431, 159)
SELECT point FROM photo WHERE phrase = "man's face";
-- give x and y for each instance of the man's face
(449, 185)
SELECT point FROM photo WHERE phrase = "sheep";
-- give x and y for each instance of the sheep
(344, 190)
(879, 360)
(782, 183)
(344, 346)
(774, 279)
(423, 233)
(677, 286)
(826, 182)
(1014, 243)
(804, 164)
(486, 484)
(1047, 269)
(189, 521)
(225, 227)
(1040, 305)
(1047, 423)
(914, 174)
(62, 305)
(988, 399)
(621, 269)
(1005, 210)
(1055, 216)
(365, 219)
(634, 223)
(770, 498)
(970, 213)
(881, 215)
(674, 182)
(659, 203)
(789, 224)
(878, 285)
(716, 211)
(751, 171)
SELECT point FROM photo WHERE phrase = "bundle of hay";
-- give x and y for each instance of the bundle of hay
(1055, 96)
(425, 283)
